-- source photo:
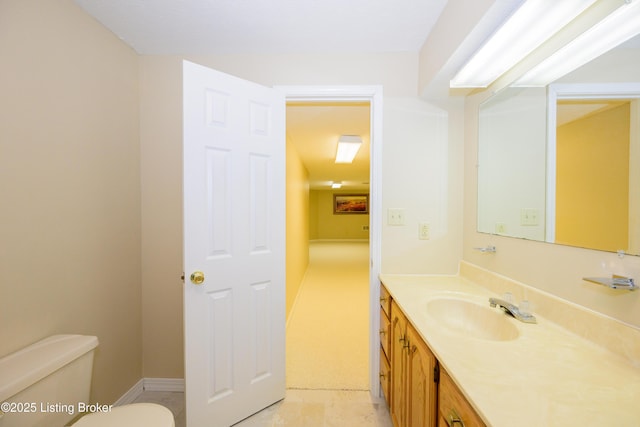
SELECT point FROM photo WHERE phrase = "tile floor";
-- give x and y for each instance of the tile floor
(300, 408)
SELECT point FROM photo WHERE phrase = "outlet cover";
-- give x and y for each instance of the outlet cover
(424, 231)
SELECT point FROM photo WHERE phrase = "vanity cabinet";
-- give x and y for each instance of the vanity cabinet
(398, 366)
(422, 388)
(453, 408)
(420, 393)
(413, 374)
(385, 344)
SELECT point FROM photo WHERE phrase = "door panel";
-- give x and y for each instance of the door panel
(234, 183)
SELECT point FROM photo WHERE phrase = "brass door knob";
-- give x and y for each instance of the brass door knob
(197, 277)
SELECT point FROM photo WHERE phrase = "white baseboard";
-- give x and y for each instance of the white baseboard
(338, 240)
(150, 384)
(131, 395)
(164, 384)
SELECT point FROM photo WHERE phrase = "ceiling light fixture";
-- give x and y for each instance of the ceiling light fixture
(336, 185)
(348, 146)
(615, 29)
(527, 28)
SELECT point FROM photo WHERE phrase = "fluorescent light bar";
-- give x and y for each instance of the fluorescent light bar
(615, 29)
(525, 30)
(348, 146)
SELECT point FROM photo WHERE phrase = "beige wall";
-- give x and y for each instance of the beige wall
(422, 174)
(161, 211)
(69, 187)
(327, 226)
(297, 224)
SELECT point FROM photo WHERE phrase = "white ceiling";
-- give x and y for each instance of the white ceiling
(161, 27)
(314, 129)
(171, 27)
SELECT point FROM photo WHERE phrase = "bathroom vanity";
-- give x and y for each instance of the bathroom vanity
(454, 360)
(411, 376)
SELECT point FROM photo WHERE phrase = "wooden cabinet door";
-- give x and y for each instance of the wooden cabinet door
(385, 333)
(453, 405)
(422, 389)
(398, 365)
(385, 300)
(385, 377)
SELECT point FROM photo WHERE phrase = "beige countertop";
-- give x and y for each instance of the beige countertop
(546, 376)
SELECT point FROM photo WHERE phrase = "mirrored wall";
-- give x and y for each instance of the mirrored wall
(561, 163)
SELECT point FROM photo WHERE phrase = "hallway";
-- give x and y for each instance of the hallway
(328, 330)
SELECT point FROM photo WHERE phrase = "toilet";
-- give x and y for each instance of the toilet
(47, 384)
(133, 415)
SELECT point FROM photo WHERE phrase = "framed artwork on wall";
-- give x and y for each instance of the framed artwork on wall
(350, 204)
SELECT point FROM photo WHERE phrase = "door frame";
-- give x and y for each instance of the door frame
(373, 95)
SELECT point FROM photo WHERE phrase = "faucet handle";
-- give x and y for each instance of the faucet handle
(525, 307)
(508, 297)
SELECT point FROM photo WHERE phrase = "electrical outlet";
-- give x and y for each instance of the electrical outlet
(395, 216)
(424, 231)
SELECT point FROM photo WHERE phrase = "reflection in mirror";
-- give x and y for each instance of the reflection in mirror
(511, 164)
(562, 164)
(592, 194)
(595, 165)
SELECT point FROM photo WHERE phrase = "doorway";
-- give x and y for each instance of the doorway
(371, 98)
(327, 325)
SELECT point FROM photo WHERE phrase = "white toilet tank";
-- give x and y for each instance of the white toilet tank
(45, 383)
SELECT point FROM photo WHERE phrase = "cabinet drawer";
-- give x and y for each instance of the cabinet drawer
(452, 404)
(385, 300)
(385, 333)
(385, 376)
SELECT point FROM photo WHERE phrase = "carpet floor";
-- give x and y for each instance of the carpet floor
(328, 328)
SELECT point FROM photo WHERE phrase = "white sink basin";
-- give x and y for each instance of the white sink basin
(471, 319)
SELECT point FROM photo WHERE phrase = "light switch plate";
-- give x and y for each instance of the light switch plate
(395, 216)
(528, 216)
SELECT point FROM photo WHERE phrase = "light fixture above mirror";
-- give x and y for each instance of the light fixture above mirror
(528, 27)
(545, 39)
(616, 28)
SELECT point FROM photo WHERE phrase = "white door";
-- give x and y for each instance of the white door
(234, 233)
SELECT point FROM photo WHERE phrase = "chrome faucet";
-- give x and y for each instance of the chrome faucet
(513, 310)
(615, 282)
(489, 249)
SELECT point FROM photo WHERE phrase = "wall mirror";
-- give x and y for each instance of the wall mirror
(561, 164)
